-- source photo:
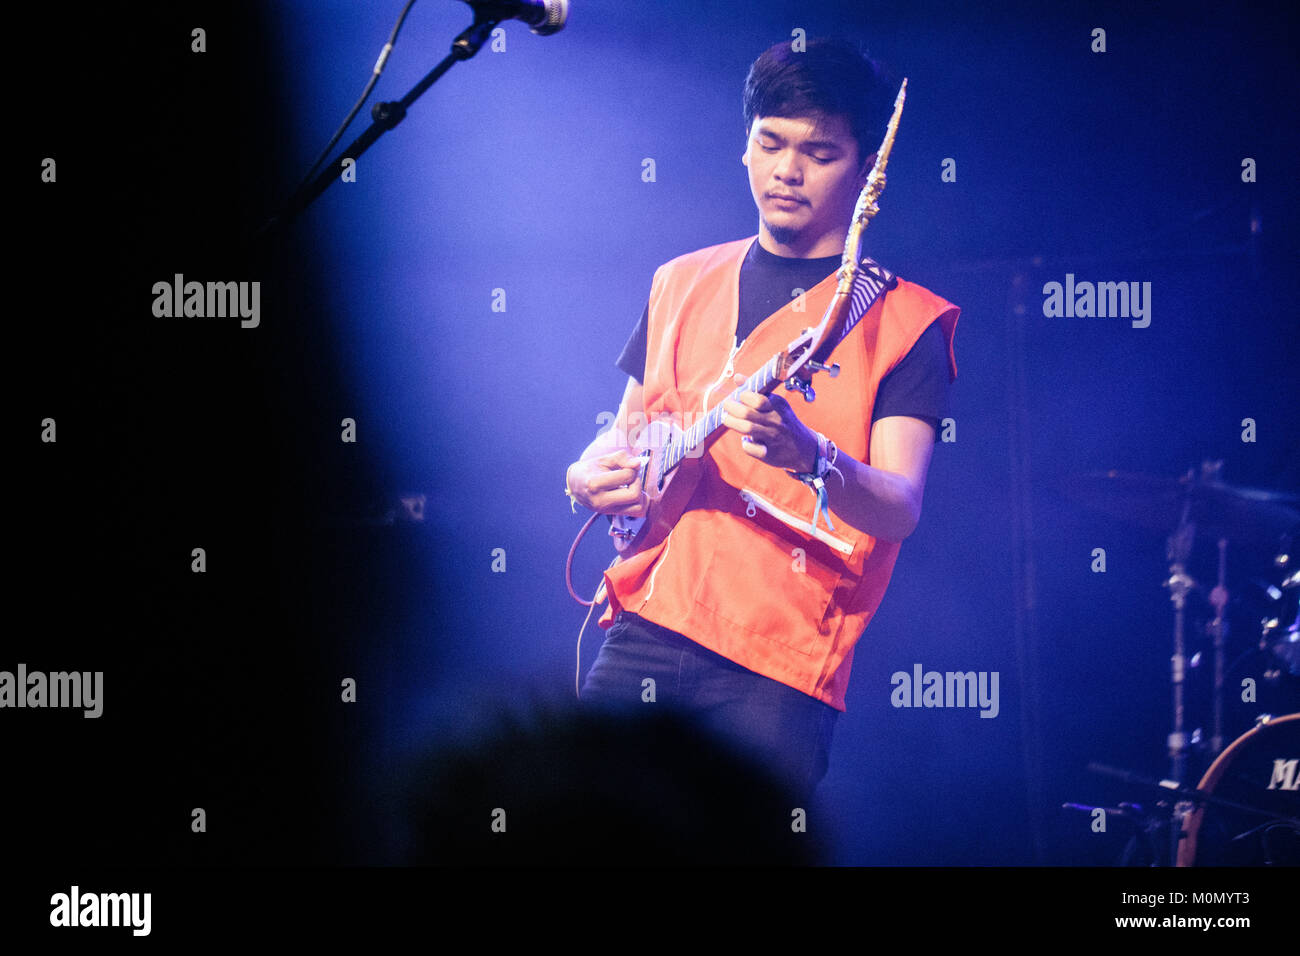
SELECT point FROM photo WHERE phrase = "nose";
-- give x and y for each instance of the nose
(789, 167)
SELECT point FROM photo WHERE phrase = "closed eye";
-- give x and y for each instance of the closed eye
(823, 160)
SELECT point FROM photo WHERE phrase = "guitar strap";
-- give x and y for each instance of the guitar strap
(871, 281)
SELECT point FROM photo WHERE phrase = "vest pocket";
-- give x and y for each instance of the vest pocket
(821, 534)
(759, 582)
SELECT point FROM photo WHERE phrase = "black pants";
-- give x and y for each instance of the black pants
(785, 729)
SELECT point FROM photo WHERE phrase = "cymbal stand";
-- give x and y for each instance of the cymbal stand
(1219, 630)
(1178, 552)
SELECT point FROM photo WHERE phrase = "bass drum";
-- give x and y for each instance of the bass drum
(1261, 768)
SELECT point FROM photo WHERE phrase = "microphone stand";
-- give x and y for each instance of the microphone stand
(385, 116)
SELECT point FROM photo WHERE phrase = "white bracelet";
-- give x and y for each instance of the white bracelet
(823, 463)
(826, 462)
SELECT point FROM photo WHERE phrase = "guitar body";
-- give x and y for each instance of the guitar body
(668, 492)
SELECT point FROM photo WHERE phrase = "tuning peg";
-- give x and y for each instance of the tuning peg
(795, 382)
(832, 370)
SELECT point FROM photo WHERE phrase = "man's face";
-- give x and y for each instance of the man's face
(820, 168)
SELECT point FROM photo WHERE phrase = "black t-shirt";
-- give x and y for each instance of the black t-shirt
(918, 385)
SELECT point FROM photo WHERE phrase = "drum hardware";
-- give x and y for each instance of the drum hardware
(1179, 815)
(1277, 636)
(1262, 765)
(1218, 629)
(1178, 551)
(1148, 829)
(1203, 504)
(1254, 518)
(1260, 520)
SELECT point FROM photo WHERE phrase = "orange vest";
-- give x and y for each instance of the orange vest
(743, 572)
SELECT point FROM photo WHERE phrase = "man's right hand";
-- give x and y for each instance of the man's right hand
(610, 484)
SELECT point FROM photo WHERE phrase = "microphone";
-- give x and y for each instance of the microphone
(544, 16)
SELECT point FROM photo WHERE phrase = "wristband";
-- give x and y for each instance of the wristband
(823, 463)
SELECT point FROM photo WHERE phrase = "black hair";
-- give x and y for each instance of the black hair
(829, 77)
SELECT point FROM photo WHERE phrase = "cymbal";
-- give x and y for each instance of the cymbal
(1255, 517)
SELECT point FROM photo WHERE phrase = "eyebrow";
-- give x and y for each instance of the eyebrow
(808, 144)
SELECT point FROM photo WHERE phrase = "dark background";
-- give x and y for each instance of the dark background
(522, 171)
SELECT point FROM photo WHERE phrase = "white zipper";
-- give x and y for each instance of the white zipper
(821, 534)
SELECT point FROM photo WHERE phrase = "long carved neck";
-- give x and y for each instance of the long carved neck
(692, 438)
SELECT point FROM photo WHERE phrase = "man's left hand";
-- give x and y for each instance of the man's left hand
(770, 431)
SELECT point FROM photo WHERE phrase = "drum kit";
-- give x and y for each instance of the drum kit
(1245, 809)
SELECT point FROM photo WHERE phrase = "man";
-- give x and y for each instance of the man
(747, 613)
